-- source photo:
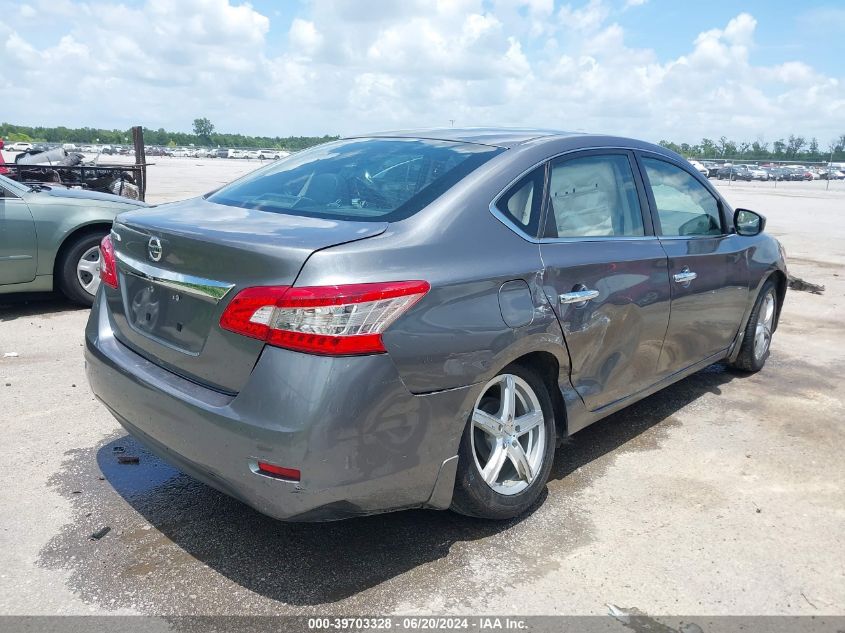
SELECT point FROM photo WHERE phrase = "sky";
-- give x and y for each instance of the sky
(652, 69)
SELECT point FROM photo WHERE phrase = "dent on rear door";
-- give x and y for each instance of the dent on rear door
(614, 340)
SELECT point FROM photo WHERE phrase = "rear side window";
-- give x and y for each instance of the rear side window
(684, 206)
(594, 196)
(521, 203)
(378, 179)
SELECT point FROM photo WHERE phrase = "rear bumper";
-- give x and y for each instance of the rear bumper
(362, 441)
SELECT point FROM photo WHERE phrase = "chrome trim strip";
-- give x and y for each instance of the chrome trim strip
(601, 238)
(666, 238)
(205, 289)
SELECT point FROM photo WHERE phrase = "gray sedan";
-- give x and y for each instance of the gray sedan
(50, 238)
(415, 319)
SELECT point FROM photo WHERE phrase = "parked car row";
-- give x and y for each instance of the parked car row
(748, 173)
(220, 152)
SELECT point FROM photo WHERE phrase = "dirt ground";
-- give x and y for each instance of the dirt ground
(722, 494)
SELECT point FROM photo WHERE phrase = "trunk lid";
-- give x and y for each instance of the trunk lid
(180, 264)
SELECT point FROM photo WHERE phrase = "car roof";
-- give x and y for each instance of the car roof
(514, 137)
(495, 136)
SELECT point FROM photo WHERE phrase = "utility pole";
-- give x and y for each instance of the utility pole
(452, 122)
(829, 169)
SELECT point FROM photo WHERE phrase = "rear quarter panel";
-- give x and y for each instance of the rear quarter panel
(456, 335)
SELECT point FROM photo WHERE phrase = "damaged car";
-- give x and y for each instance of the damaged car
(417, 319)
(58, 167)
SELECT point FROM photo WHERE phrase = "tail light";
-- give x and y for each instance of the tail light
(332, 320)
(108, 265)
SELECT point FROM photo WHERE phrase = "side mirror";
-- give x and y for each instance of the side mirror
(748, 223)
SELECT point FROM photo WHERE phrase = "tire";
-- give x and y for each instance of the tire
(512, 491)
(70, 273)
(757, 340)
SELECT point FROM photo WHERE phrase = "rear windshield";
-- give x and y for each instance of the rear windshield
(358, 179)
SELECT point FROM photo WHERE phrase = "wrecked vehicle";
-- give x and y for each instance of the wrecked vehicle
(50, 237)
(70, 169)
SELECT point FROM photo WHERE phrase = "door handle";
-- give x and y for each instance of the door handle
(685, 276)
(579, 296)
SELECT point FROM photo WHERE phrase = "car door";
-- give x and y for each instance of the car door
(18, 244)
(605, 273)
(707, 264)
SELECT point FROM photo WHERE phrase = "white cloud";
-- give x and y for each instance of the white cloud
(304, 37)
(343, 66)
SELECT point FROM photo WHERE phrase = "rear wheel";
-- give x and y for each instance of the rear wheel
(507, 447)
(79, 269)
(758, 330)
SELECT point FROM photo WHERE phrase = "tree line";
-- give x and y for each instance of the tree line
(790, 148)
(204, 135)
(88, 135)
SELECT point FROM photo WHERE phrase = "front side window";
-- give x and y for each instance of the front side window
(684, 206)
(376, 179)
(594, 196)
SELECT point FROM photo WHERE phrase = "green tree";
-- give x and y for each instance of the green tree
(794, 145)
(671, 146)
(15, 137)
(203, 129)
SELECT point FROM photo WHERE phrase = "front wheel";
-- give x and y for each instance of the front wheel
(79, 269)
(759, 330)
(507, 448)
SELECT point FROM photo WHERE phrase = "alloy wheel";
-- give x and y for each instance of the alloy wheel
(508, 436)
(88, 270)
(765, 320)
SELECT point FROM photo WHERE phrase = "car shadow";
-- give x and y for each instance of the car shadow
(295, 563)
(25, 304)
(313, 564)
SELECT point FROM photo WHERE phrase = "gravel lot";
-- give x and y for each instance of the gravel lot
(722, 494)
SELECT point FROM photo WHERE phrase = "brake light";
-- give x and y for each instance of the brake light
(333, 320)
(108, 265)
